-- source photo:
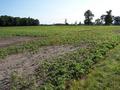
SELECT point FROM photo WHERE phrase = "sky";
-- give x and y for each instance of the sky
(56, 11)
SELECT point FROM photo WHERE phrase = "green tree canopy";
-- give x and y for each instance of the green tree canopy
(88, 17)
(107, 19)
(17, 21)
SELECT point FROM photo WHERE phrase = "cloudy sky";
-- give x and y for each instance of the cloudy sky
(56, 11)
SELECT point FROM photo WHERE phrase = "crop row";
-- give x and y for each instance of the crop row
(56, 74)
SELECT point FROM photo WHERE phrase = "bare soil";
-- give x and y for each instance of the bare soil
(26, 63)
(5, 42)
(116, 31)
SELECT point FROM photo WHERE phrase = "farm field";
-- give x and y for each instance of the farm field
(60, 58)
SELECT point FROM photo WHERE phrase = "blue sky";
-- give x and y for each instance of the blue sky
(56, 11)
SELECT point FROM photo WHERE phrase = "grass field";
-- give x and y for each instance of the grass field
(60, 58)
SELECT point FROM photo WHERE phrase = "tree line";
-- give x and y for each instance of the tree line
(106, 19)
(17, 21)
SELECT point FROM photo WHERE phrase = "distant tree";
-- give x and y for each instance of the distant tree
(36, 22)
(88, 17)
(4, 20)
(0, 21)
(66, 23)
(79, 23)
(98, 22)
(17, 21)
(103, 19)
(117, 20)
(75, 23)
(107, 19)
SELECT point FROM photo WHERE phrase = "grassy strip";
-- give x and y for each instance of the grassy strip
(105, 76)
(57, 73)
(26, 47)
(60, 40)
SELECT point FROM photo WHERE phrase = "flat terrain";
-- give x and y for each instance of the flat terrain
(9, 41)
(60, 58)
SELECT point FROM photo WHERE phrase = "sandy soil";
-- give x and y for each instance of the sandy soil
(116, 31)
(26, 63)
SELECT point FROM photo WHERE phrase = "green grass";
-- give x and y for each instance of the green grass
(95, 67)
(98, 61)
(57, 35)
(60, 72)
(72, 66)
(104, 76)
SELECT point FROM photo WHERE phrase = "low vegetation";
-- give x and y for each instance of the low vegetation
(105, 75)
(66, 71)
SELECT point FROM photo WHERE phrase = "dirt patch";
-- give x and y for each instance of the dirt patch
(116, 31)
(26, 63)
(5, 42)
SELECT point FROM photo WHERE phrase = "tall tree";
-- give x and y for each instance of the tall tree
(66, 23)
(107, 19)
(88, 17)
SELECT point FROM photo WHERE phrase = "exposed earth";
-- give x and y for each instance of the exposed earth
(27, 62)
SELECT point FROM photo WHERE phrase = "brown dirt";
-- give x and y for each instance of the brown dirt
(116, 31)
(26, 63)
(5, 42)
